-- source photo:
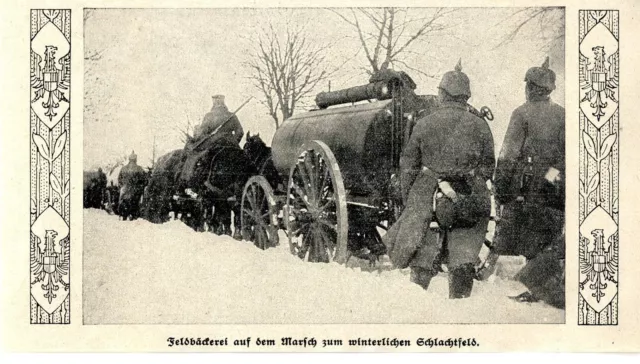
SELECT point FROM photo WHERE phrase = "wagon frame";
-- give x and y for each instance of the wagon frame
(323, 211)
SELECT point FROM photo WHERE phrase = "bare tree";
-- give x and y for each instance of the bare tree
(546, 23)
(186, 130)
(285, 67)
(389, 35)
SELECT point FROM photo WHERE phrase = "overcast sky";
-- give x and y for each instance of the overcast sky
(159, 68)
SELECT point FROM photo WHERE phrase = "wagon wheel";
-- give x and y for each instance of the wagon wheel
(259, 217)
(316, 210)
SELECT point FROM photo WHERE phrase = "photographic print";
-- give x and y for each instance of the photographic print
(361, 176)
(364, 165)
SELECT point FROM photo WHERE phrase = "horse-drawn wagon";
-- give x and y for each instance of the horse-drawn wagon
(332, 177)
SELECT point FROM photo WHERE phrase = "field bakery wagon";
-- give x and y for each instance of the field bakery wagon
(338, 172)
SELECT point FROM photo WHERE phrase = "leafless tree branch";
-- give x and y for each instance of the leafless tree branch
(549, 21)
(285, 68)
(394, 32)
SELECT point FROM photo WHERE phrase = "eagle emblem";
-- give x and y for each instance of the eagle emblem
(598, 259)
(52, 83)
(49, 267)
(50, 260)
(600, 83)
(50, 73)
(599, 265)
(599, 72)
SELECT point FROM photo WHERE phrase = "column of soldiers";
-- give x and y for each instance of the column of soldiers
(446, 173)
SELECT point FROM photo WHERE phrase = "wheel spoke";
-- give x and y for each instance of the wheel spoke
(316, 205)
(325, 179)
(265, 238)
(326, 205)
(305, 179)
(248, 214)
(259, 239)
(311, 176)
(264, 203)
(327, 224)
(252, 197)
(321, 248)
(329, 245)
(266, 216)
(305, 246)
(256, 212)
(330, 234)
(300, 193)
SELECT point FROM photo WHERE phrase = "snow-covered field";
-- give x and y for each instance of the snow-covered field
(136, 272)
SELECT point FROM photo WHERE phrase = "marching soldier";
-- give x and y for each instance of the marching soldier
(102, 188)
(132, 180)
(444, 169)
(529, 183)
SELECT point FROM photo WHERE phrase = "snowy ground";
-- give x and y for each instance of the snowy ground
(136, 272)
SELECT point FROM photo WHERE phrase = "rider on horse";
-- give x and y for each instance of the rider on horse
(219, 123)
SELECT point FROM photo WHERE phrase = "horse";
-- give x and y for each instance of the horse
(210, 185)
(260, 156)
(228, 172)
(208, 192)
(94, 188)
(158, 199)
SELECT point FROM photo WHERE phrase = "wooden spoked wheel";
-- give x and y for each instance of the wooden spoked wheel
(259, 216)
(316, 210)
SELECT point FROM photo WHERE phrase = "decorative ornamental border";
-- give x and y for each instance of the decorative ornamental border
(49, 105)
(599, 167)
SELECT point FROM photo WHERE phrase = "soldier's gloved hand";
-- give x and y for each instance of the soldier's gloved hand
(553, 175)
(446, 188)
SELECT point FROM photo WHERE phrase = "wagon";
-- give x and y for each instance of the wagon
(338, 168)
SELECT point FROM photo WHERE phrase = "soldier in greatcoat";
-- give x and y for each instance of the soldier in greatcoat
(132, 180)
(220, 118)
(444, 172)
(529, 186)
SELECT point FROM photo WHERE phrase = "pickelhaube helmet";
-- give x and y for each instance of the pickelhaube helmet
(133, 157)
(456, 83)
(542, 76)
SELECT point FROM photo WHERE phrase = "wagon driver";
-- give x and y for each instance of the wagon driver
(221, 119)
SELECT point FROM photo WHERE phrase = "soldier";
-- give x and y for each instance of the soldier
(132, 180)
(444, 169)
(529, 184)
(220, 117)
(102, 188)
(219, 128)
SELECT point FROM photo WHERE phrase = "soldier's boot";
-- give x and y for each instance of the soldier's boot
(422, 276)
(461, 281)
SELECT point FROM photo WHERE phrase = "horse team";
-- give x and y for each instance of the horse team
(208, 200)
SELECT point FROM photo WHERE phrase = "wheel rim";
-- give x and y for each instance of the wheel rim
(257, 219)
(316, 209)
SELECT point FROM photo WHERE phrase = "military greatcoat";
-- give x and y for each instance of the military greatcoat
(529, 181)
(452, 145)
(532, 152)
